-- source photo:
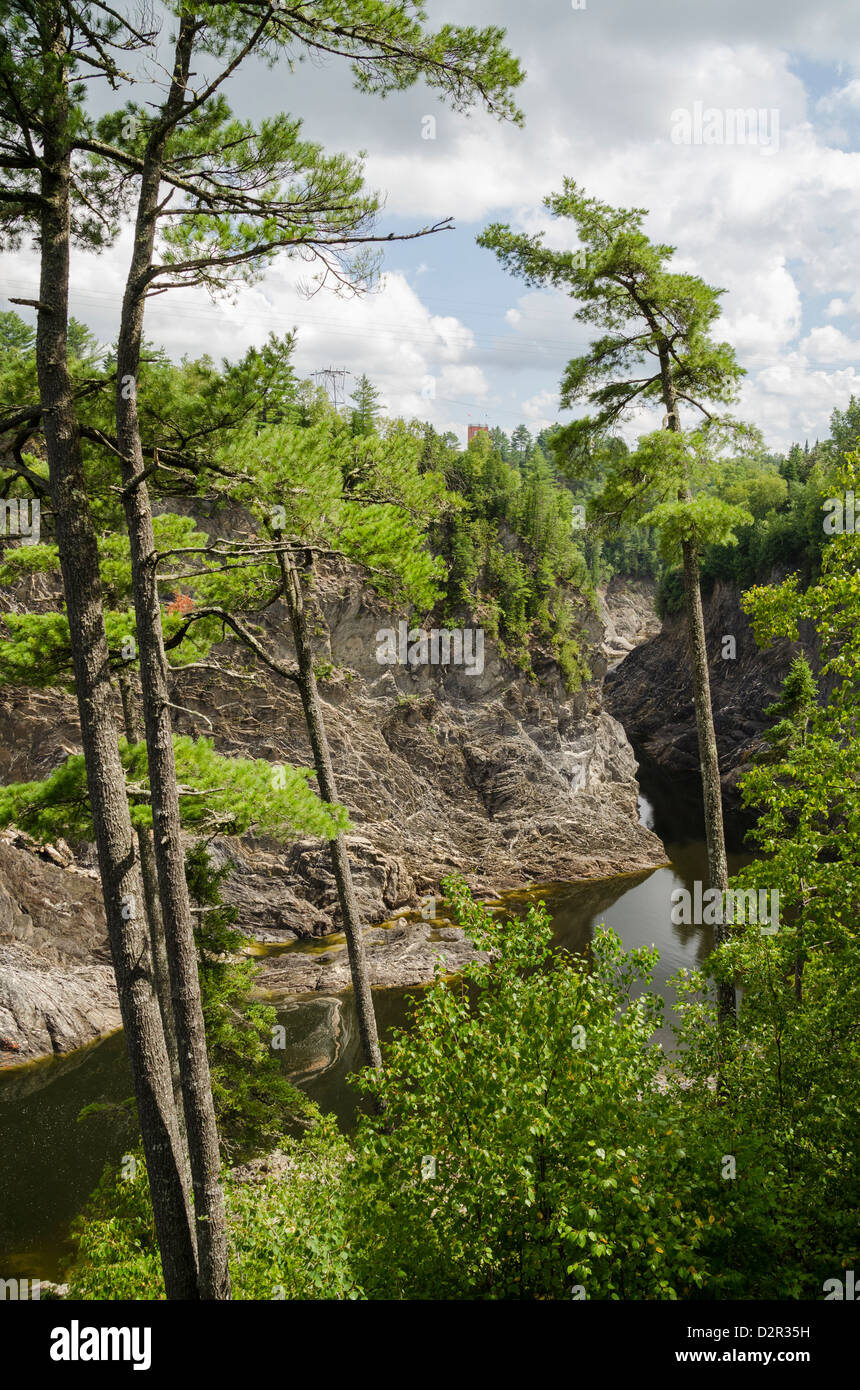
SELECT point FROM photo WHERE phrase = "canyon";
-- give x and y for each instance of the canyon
(507, 780)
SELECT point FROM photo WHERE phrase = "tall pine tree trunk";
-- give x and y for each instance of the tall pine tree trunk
(709, 763)
(160, 967)
(328, 791)
(201, 1127)
(708, 755)
(718, 869)
(79, 560)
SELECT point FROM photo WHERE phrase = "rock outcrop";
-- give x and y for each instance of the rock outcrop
(650, 691)
(444, 769)
(486, 774)
(629, 617)
(405, 953)
(57, 987)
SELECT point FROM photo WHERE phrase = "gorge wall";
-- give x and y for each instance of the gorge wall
(505, 780)
(651, 692)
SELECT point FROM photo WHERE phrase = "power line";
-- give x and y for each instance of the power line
(344, 327)
(492, 348)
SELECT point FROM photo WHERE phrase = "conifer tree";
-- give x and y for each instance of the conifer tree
(521, 443)
(224, 228)
(656, 347)
(793, 712)
(231, 220)
(365, 399)
(45, 190)
(363, 498)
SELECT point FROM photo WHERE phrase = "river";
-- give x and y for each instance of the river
(52, 1159)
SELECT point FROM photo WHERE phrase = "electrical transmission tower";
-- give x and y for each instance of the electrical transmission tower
(334, 380)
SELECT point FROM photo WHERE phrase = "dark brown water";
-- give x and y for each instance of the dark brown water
(52, 1159)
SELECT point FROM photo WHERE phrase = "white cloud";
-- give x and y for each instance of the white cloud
(844, 99)
(794, 391)
(829, 344)
(778, 233)
(541, 411)
(389, 334)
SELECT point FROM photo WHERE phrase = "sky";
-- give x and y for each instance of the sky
(614, 90)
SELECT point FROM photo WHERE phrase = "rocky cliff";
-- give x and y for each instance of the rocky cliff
(56, 981)
(627, 608)
(505, 780)
(650, 691)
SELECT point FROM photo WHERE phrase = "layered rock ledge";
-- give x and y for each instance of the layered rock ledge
(501, 779)
(57, 988)
(650, 691)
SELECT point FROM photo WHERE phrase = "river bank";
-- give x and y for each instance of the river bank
(506, 779)
(58, 1159)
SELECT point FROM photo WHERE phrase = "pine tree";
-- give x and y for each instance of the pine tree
(322, 489)
(365, 412)
(792, 713)
(521, 443)
(315, 205)
(45, 189)
(500, 443)
(655, 347)
(238, 232)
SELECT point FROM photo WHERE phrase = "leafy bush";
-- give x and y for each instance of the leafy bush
(286, 1234)
(556, 1160)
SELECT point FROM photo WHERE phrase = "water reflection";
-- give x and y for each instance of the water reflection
(638, 908)
(324, 1047)
(51, 1162)
(51, 1159)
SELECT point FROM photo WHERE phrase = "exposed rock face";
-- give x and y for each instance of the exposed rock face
(651, 692)
(443, 769)
(404, 954)
(56, 982)
(629, 616)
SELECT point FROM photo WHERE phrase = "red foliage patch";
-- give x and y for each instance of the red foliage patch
(180, 603)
